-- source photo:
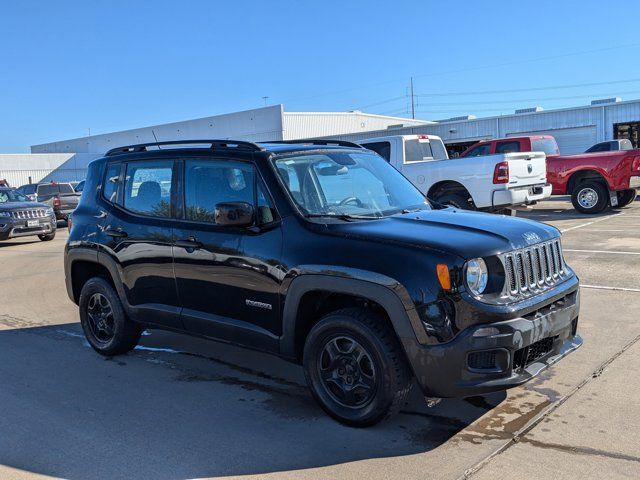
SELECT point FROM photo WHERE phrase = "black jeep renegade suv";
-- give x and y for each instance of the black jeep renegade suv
(324, 254)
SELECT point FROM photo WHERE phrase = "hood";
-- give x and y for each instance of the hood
(463, 233)
(22, 205)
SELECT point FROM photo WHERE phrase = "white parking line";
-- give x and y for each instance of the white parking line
(590, 223)
(600, 287)
(600, 251)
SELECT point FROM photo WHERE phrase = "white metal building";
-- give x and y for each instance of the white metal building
(259, 125)
(575, 128)
(67, 160)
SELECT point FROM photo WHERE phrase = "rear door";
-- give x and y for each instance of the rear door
(140, 232)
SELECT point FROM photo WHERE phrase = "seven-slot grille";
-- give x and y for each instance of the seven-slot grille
(26, 214)
(533, 269)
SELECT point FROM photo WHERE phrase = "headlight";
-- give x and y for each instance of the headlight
(5, 214)
(476, 275)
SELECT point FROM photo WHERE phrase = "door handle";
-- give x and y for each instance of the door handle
(115, 232)
(190, 243)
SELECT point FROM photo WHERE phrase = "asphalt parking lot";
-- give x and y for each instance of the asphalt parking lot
(179, 407)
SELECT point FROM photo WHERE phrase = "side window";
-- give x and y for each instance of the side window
(479, 151)
(508, 147)
(110, 183)
(381, 148)
(207, 183)
(147, 188)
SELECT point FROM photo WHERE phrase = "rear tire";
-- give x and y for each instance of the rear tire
(104, 322)
(626, 197)
(590, 197)
(356, 368)
(455, 200)
(47, 237)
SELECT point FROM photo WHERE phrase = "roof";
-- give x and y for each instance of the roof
(237, 145)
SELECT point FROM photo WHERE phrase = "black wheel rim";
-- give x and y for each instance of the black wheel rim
(347, 372)
(100, 318)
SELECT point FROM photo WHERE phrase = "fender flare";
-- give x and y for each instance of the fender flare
(403, 316)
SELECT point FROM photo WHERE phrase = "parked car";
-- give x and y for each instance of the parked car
(595, 180)
(20, 218)
(60, 196)
(324, 254)
(611, 145)
(498, 182)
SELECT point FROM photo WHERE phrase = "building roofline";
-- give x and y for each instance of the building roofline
(564, 109)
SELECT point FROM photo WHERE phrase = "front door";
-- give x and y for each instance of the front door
(228, 278)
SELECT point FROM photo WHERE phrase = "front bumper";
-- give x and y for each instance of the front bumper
(521, 196)
(14, 228)
(634, 182)
(511, 352)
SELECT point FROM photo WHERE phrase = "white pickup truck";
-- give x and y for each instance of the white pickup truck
(491, 183)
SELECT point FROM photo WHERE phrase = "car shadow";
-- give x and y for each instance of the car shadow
(182, 407)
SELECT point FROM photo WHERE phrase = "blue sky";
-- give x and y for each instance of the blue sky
(70, 66)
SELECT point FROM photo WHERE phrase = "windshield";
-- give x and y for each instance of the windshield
(347, 183)
(7, 196)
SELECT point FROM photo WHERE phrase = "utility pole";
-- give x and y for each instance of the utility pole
(413, 106)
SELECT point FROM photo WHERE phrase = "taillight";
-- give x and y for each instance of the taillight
(56, 202)
(635, 166)
(501, 173)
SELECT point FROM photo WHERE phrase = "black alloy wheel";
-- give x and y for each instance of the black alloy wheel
(347, 372)
(100, 318)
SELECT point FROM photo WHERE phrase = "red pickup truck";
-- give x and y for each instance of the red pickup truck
(595, 180)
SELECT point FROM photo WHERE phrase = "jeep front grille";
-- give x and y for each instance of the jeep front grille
(533, 269)
(25, 214)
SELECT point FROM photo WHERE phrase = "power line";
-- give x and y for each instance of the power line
(518, 100)
(533, 89)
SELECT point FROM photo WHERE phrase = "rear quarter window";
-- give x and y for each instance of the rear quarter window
(45, 190)
(508, 147)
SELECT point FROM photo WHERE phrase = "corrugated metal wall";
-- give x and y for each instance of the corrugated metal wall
(601, 117)
(318, 124)
(19, 169)
(257, 125)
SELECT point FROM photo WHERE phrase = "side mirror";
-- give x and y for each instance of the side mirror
(234, 214)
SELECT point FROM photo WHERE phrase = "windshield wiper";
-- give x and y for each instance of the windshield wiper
(342, 216)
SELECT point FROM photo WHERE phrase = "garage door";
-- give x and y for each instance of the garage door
(570, 140)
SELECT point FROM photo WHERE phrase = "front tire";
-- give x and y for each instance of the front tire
(104, 322)
(626, 197)
(355, 367)
(590, 197)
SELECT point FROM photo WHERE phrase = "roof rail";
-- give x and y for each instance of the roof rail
(341, 143)
(213, 144)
